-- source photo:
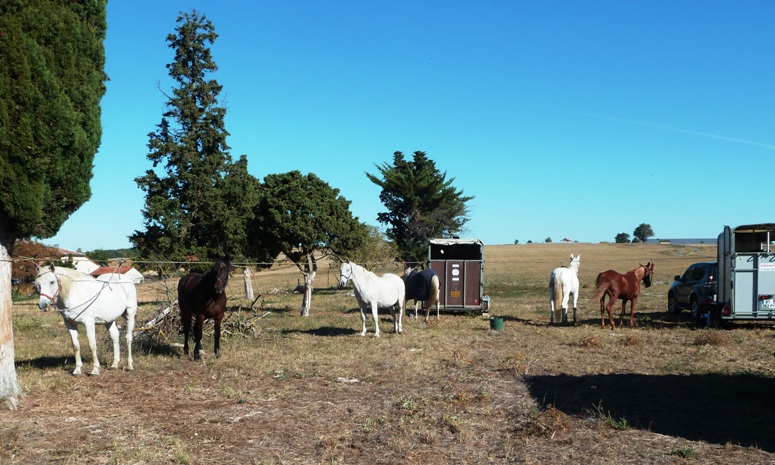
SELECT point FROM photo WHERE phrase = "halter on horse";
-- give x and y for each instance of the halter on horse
(621, 286)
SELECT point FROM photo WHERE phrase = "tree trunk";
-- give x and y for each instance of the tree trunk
(306, 303)
(9, 385)
(249, 284)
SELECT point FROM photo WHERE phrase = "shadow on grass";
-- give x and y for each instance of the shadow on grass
(45, 363)
(712, 408)
(325, 331)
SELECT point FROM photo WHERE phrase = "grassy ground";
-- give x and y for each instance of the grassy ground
(289, 389)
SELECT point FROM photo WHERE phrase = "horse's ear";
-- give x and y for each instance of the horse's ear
(51, 267)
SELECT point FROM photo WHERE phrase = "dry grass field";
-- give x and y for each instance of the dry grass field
(294, 390)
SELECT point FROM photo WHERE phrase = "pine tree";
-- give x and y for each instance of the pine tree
(191, 206)
(51, 82)
(421, 204)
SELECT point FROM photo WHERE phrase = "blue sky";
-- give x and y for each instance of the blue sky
(577, 119)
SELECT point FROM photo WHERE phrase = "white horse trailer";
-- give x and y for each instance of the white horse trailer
(460, 266)
(746, 273)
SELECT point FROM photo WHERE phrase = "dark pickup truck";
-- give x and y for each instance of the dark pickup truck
(695, 290)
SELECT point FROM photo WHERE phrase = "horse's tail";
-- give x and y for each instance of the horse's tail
(557, 291)
(601, 287)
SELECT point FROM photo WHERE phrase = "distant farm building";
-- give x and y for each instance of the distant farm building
(128, 271)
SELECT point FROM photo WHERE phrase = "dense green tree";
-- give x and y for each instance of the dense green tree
(197, 200)
(622, 238)
(51, 82)
(305, 219)
(421, 204)
(643, 232)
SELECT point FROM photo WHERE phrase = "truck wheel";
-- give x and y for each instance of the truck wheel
(695, 308)
(672, 305)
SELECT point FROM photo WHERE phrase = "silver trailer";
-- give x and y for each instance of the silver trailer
(746, 273)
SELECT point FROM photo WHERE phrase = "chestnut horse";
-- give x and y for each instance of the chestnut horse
(203, 297)
(621, 286)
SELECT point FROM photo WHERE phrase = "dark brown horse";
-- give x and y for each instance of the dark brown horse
(203, 297)
(621, 286)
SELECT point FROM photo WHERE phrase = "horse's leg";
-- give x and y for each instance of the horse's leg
(395, 320)
(91, 336)
(130, 328)
(198, 324)
(565, 299)
(114, 336)
(185, 315)
(632, 311)
(375, 316)
(72, 328)
(400, 315)
(624, 309)
(575, 301)
(363, 320)
(217, 336)
(611, 302)
(551, 304)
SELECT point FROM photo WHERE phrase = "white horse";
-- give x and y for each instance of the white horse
(374, 291)
(81, 298)
(562, 283)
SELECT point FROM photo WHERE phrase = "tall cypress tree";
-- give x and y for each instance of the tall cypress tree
(421, 204)
(188, 188)
(51, 82)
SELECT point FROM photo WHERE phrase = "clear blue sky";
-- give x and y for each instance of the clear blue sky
(577, 119)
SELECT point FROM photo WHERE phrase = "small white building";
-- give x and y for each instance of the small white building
(80, 261)
(128, 271)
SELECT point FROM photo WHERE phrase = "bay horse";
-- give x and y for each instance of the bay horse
(621, 286)
(203, 297)
(82, 298)
(375, 292)
(562, 283)
(422, 287)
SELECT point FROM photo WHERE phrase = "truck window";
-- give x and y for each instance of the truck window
(698, 273)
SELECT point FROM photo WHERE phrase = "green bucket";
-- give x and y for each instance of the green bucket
(496, 323)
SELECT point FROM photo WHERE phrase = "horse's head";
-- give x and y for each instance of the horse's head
(47, 286)
(345, 273)
(221, 269)
(648, 273)
(575, 262)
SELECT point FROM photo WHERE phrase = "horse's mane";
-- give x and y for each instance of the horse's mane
(72, 276)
